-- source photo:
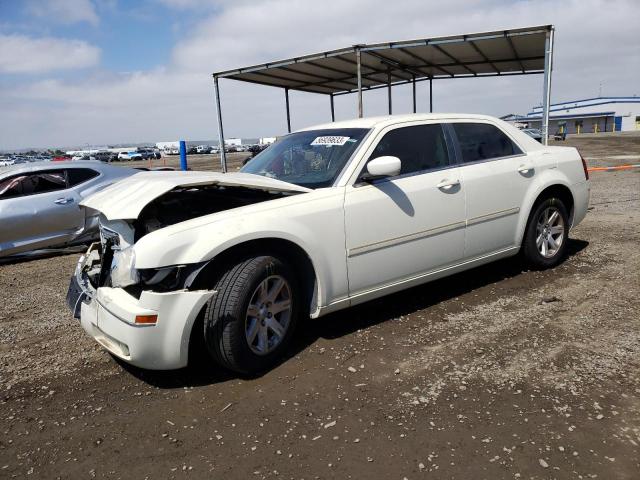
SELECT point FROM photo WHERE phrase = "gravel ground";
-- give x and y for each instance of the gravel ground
(194, 162)
(495, 373)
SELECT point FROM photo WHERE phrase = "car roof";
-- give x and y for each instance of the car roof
(386, 120)
(38, 166)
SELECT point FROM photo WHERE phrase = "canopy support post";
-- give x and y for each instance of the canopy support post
(359, 72)
(389, 90)
(430, 94)
(286, 101)
(546, 92)
(413, 87)
(223, 156)
(333, 112)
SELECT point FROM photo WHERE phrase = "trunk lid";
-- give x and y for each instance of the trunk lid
(125, 199)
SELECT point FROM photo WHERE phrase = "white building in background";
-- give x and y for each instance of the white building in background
(591, 115)
(169, 148)
(266, 140)
(167, 145)
(233, 142)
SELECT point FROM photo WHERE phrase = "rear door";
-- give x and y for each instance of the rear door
(496, 174)
(399, 228)
(37, 210)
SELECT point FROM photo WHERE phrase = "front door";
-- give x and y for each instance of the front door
(401, 227)
(37, 208)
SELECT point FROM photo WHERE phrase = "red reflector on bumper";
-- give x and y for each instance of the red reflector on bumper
(146, 319)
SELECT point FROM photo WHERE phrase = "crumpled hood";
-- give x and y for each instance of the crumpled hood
(125, 199)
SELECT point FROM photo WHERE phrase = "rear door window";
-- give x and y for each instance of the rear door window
(79, 175)
(482, 141)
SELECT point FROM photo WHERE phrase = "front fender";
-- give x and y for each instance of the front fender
(318, 229)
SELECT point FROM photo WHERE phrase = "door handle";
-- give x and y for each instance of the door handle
(63, 201)
(447, 184)
(525, 169)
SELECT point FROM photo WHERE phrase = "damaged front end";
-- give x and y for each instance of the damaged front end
(130, 291)
(111, 263)
(146, 206)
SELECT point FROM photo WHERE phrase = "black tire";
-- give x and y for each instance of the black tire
(225, 317)
(531, 253)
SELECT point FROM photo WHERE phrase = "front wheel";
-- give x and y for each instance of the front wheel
(547, 233)
(250, 321)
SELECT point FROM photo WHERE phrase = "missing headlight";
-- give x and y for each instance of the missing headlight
(167, 279)
(123, 272)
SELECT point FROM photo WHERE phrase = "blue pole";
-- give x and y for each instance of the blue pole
(183, 155)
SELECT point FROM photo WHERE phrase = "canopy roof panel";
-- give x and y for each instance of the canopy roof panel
(505, 52)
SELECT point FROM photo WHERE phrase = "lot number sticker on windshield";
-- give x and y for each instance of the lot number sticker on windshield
(330, 140)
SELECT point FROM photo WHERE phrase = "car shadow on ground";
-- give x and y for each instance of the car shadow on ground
(348, 321)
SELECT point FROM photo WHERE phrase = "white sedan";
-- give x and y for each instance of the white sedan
(325, 218)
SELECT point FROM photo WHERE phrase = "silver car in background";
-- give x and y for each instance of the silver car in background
(39, 203)
(534, 133)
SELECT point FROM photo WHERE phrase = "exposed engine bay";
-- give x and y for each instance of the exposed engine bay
(185, 203)
(110, 262)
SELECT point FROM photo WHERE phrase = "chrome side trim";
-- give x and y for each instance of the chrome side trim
(424, 277)
(493, 216)
(391, 242)
(352, 252)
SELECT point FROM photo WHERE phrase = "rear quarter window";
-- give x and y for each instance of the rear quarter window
(77, 176)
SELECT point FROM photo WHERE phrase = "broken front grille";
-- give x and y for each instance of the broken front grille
(109, 242)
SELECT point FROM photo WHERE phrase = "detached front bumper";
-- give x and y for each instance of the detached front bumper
(108, 315)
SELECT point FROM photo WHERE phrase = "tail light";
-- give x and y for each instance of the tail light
(584, 166)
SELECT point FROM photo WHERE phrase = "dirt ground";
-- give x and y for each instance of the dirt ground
(499, 372)
(194, 162)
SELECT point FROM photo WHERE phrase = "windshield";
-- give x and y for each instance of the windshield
(311, 159)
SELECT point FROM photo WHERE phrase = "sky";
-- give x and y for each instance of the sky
(98, 72)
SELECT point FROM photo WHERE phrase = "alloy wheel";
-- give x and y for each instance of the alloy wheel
(268, 315)
(549, 232)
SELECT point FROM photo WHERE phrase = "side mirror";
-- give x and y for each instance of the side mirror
(386, 166)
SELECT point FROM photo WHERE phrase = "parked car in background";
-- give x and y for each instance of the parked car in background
(560, 135)
(83, 156)
(256, 149)
(533, 133)
(132, 155)
(327, 217)
(148, 153)
(39, 203)
(106, 156)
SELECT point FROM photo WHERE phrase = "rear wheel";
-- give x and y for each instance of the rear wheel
(545, 241)
(250, 321)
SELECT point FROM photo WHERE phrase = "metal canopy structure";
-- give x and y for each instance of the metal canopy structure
(520, 51)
